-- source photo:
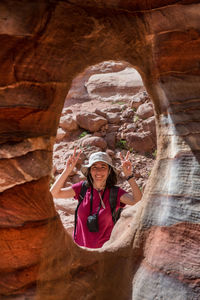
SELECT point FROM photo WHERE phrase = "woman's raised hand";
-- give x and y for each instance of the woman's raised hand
(57, 189)
(72, 161)
(126, 164)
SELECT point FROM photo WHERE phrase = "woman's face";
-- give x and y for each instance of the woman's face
(99, 172)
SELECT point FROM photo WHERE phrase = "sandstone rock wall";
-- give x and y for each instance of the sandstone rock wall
(44, 45)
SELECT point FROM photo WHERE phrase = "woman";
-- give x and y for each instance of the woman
(101, 177)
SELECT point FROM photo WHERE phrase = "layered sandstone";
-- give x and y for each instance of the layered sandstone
(44, 45)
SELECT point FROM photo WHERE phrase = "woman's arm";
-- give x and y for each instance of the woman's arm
(136, 195)
(57, 189)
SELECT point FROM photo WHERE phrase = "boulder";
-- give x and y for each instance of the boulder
(113, 118)
(130, 127)
(138, 99)
(68, 123)
(128, 113)
(78, 177)
(110, 139)
(60, 135)
(106, 111)
(90, 121)
(145, 111)
(78, 92)
(140, 141)
(116, 87)
(113, 128)
(95, 141)
(149, 125)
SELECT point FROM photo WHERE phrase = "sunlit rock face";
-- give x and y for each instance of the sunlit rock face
(154, 249)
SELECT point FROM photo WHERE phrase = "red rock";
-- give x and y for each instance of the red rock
(23, 169)
(105, 111)
(128, 113)
(138, 99)
(90, 121)
(110, 139)
(66, 111)
(113, 118)
(113, 128)
(28, 200)
(78, 177)
(78, 93)
(101, 112)
(108, 86)
(140, 142)
(60, 135)
(95, 141)
(68, 123)
(110, 153)
(145, 111)
(149, 125)
(130, 127)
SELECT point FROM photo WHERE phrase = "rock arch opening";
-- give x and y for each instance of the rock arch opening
(106, 109)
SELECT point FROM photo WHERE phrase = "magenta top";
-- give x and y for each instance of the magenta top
(83, 236)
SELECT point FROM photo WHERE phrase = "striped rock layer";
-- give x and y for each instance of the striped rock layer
(154, 249)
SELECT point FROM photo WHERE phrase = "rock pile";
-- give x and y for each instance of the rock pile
(129, 126)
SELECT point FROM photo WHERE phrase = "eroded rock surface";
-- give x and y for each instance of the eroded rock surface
(44, 45)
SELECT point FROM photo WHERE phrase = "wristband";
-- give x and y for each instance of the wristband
(129, 177)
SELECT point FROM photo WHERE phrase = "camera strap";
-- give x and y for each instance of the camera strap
(101, 200)
(102, 203)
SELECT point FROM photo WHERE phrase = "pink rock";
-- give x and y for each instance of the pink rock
(111, 109)
(68, 123)
(60, 135)
(90, 121)
(113, 128)
(98, 133)
(95, 141)
(149, 125)
(78, 177)
(110, 138)
(109, 86)
(114, 118)
(140, 141)
(81, 157)
(138, 99)
(130, 127)
(145, 110)
(128, 113)
(110, 153)
(66, 111)
(101, 112)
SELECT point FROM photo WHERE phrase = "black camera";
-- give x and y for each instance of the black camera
(92, 223)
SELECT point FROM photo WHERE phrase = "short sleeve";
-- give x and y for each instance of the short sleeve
(77, 189)
(121, 192)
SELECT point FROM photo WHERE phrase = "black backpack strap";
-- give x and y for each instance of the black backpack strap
(113, 203)
(83, 191)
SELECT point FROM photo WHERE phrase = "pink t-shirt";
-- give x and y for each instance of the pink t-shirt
(83, 236)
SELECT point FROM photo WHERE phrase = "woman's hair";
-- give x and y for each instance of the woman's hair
(111, 180)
